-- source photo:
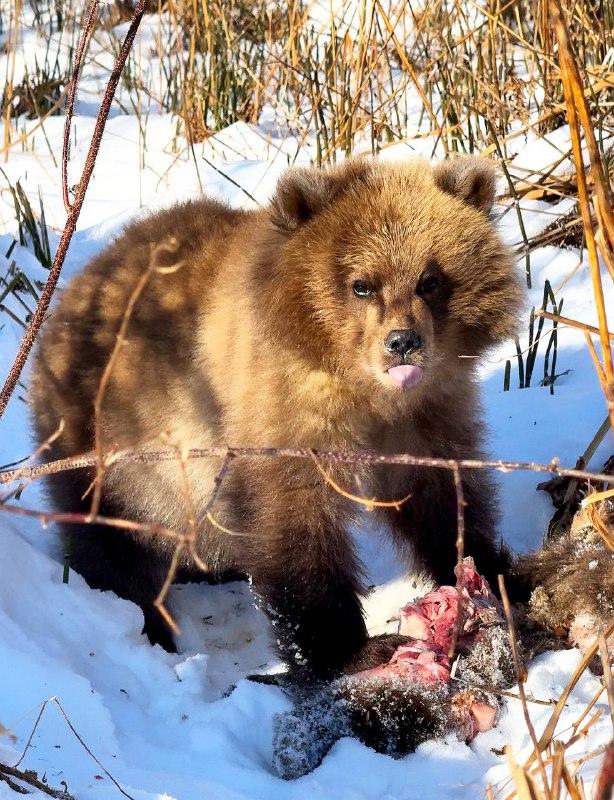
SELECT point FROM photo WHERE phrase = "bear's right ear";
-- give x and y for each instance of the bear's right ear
(470, 178)
(302, 192)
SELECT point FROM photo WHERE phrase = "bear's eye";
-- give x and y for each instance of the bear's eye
(428, 285)
(362, 289)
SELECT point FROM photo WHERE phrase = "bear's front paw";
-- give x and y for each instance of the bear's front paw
(376, 651)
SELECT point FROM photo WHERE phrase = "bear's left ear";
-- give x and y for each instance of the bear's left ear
(302, 192)
(470, 178)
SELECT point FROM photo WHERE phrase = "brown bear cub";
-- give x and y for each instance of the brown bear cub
(345, 315)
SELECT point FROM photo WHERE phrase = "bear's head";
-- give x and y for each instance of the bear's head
(390, 275)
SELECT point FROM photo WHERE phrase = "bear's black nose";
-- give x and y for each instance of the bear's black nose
(402, 342)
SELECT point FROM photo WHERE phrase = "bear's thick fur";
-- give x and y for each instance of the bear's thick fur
(279, 329)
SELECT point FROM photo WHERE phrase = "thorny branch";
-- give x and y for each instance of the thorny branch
(71, 223)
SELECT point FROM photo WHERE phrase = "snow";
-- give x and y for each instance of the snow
(184, 726)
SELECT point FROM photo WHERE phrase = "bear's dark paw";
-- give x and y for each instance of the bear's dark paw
(157, 631)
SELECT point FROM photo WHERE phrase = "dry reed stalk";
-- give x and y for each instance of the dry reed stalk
(564, 771)
(597, 363)
(520, 678)
(572, 323)
(597, 497)
(547, 735)
(588, 709)
(84, 39)
(580, 122)
(525, 785)
(605, 249)
(606, 533)
(11, 47)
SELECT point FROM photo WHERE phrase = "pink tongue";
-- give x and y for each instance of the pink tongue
(406, 375)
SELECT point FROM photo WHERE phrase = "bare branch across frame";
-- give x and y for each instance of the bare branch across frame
(342, 456)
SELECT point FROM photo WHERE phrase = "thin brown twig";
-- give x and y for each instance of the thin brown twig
(31, 736)
(71, 223)
(521, 677)
(501, 692)
(192, 535)
(461, 504)
(87, 749)
(77, 518)
(39, 451)
(368, 503)
(209, 516)
(168, 246)
(31, 779)
(187, 542)
(159, 602)
(217, 483)
(344, 456)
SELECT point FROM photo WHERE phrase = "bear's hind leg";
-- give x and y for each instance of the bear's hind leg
(109, 558)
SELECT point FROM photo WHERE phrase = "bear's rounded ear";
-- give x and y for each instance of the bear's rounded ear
(302, 192)
(470, 178)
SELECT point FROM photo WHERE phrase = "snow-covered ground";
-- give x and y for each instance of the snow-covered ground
(189, 725)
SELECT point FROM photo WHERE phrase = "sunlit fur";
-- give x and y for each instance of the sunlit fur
(259, 340)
